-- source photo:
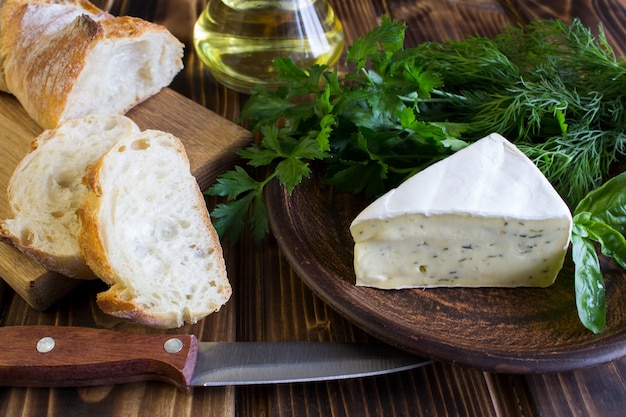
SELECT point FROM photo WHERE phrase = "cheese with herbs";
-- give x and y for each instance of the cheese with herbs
(483, 217)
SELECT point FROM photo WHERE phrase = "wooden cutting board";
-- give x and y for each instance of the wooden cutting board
(208, 138)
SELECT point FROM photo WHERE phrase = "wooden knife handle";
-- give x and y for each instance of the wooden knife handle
(51, 356)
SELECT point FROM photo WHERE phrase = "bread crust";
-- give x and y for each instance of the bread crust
(68, 265)
(14, 29)
(8, 9)
(42, 76)
(45, 49)
(89, 235)
(113, 303)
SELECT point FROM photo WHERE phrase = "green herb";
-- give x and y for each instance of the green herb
(364, 125)
(554, 89)
(599, 217)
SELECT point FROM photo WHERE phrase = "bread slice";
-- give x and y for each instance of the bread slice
(146, 231)
(63, 62)
(45, 191)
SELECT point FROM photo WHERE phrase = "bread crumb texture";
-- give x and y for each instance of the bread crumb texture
(46, 190)
(160, 253)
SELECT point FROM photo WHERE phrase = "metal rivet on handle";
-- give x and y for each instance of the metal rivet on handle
(45, 344)
(173, 345)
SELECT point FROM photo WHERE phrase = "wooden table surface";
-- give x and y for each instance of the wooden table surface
(270, 302)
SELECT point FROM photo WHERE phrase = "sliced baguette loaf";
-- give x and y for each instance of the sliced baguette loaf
(146, 231)
(45, 191)
(65, 60)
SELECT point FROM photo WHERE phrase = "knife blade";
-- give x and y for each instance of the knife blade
(53, 356)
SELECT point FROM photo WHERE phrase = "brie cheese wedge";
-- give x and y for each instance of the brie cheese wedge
(485, 216)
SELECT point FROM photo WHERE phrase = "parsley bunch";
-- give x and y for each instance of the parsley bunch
(554, 89)
(364, 125)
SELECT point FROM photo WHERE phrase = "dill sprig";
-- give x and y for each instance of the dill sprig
(554, 89)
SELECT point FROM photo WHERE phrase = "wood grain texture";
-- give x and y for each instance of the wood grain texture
(133, 399)
(270, 302)
(85, 356)
(281, 307)
(596, 391)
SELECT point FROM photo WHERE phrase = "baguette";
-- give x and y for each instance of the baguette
(146, 232)
(45, 191)
(64, 60)
(62, 16)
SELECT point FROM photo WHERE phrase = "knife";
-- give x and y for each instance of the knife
(54, 356)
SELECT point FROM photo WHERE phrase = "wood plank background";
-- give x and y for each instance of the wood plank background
(270, 303)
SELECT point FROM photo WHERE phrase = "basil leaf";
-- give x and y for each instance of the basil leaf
(613, 243)
(589, 284)
(607, 203)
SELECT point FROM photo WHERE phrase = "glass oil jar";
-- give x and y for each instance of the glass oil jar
(238, 40)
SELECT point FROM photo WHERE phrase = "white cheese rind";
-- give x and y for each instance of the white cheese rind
(485, 216)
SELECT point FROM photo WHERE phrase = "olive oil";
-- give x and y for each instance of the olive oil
(238, 40)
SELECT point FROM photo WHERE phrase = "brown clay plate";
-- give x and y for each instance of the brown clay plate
(512, 330)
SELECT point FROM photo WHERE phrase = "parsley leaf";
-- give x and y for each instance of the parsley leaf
(389, 35)
(230, 218)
